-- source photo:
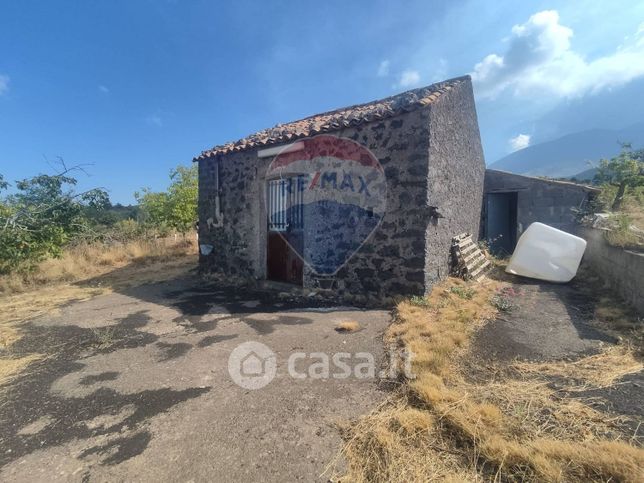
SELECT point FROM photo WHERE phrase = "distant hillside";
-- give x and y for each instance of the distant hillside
(570, 154)
(585, 176)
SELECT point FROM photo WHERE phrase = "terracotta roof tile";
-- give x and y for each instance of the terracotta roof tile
(336, 119)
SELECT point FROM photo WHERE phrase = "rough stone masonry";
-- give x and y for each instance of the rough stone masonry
(426, 140)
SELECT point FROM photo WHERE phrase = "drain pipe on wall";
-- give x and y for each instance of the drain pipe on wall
(218, 222)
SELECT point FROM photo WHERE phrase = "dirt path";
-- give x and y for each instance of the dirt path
(135, 386)
(546, 321)
(550, 322)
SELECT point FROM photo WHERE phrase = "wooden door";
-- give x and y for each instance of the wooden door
(285, 241)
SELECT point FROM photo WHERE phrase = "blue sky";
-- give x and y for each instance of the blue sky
(137, 87)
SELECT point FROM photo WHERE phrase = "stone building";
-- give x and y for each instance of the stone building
(408, 171)
(513, 201)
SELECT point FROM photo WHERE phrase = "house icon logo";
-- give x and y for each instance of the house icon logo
(252, 365)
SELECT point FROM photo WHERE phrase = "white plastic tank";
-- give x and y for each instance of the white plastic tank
(545, 253)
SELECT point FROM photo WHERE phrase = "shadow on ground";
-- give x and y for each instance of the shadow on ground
(33, 417)
(544, 321)
(195, 298)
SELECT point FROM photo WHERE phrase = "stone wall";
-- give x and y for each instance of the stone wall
(390, 262)
(545, 201)
(398, 255)
(236, 242)
(622, 269)
(455, 177)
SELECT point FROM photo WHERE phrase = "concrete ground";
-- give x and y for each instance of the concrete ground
(135, 386)
(546, 321)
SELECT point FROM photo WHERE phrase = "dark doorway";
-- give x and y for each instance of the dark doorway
(501, 222)
(285, 231)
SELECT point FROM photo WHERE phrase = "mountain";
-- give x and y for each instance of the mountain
(571, 154)
(586, 176)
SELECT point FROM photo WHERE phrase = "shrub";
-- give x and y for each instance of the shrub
(176, 208)
(466, 293)
(419, 301)
(621, 234)
(41, 217)
(501, 303)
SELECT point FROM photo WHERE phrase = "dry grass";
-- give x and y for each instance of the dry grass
(29, 305)
(85, 272)
(597, 371)
(434, 330)
(634, 208)
(625, 238)
(347, 326)
(10, 367)
(504, 426)
(82, 273)
(622, 233)
(91, 260)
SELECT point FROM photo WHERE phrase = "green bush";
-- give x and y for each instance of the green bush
(176, 208)
(502, 303)
(466, 293)
(41, 217)
(621, 175)
(419, 301)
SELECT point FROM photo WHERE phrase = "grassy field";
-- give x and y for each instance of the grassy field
(460, 421)
(81, 273)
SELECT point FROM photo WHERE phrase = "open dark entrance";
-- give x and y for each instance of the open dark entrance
(285, 231)
(501, 222)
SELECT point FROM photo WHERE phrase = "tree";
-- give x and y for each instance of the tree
(42, 216)
(183, 193)
(626, 170)
(154, 207)
(176, 208)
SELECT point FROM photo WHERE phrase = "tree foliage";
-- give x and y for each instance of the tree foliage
(44, 213)
(41, 216)
(175, 208)
(624, 171)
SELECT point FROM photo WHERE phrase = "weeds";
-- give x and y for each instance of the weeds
(103, 337)
(501, 303)
(445, 425)
(418, 301)
(466, 293)
(622, 233)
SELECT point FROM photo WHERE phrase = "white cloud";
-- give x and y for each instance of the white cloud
(539, 60)
(409, 78)
(440, 72)
(155, 120)
(4, 84)
(519, 141)
(103, 89)
(383, 69)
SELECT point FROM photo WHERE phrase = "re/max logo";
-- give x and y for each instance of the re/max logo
(327, 180)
